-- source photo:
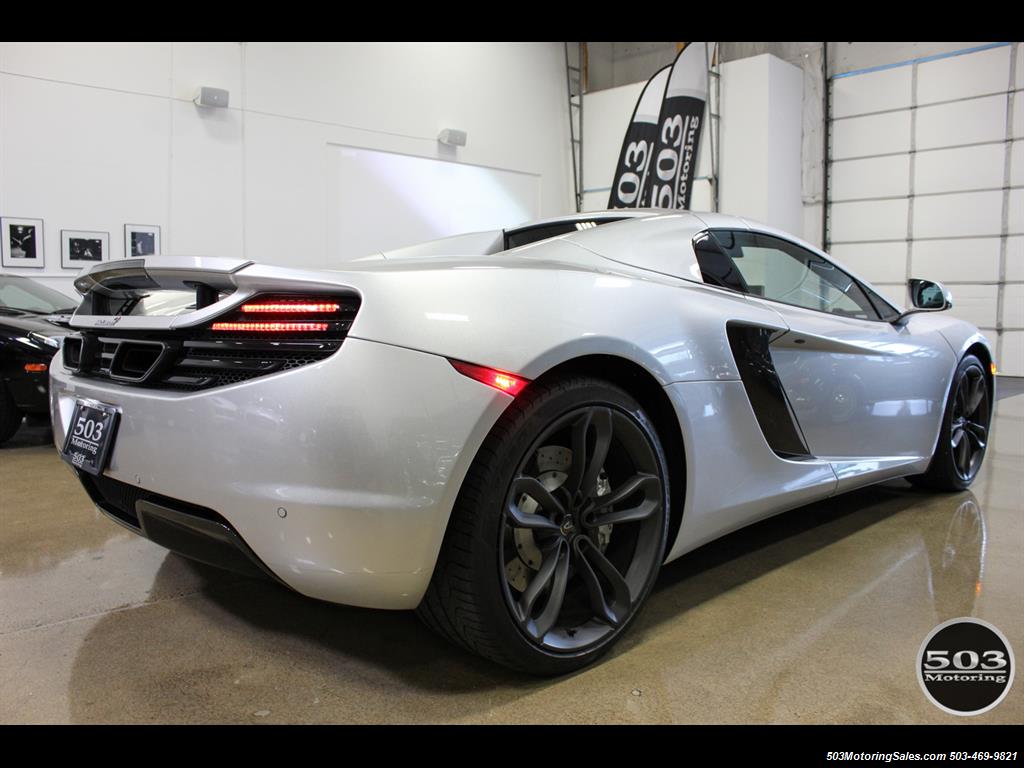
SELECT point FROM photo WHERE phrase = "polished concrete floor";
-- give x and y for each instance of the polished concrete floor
(815, 616)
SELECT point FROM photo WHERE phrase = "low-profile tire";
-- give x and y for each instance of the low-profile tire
(963, 437)
(10, 415)
(548, 558)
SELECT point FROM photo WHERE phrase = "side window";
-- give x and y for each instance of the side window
(781, 271)
(716, 268)
(884, 308)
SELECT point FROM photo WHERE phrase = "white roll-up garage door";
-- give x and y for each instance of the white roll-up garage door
(926, 179)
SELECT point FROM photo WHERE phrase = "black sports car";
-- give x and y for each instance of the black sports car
(33, 319)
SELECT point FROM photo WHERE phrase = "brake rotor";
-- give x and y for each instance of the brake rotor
(553, 463)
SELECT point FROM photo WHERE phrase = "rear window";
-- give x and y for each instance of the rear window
(164, 303)
(527, 235)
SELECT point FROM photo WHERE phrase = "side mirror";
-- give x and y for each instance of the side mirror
(927, 296)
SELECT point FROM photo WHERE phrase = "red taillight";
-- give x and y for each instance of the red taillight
(503, 381)
(281, 314)
(35, 367)
(292, 307)
(271, 327)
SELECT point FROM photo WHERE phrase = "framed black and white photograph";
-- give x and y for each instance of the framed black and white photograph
(22, 242)
(81, 249)
(141, 240)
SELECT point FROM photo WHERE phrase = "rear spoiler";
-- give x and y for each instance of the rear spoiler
(105, 288)
(156, 272)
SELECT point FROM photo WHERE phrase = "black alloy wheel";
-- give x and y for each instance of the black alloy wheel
(559, 530)
(964, 434)
(580, 540)
(969, 427)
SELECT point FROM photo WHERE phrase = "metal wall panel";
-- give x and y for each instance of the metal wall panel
(973, 303)
(1015, 222)
(1018, 117)
(967, 260)
(876, 262)
(1013, 306)
(871, 135)
(1017, 163)
(873, 177)
(966, 214)
(960, 169)
(961, 122)
(960, 77)
(882, 91)
(869, 220)
(1012, 355)
(1015, 259)
(926, 179)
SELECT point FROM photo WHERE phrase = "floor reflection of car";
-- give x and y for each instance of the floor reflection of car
(956, 561)
(920, 573)
(33, 319)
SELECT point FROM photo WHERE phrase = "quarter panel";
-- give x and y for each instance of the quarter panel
(528, 316)
(659, 244)
(733, 477)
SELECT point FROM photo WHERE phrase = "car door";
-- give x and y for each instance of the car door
(858, 386)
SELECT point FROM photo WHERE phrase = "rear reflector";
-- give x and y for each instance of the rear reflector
(35, 367)
(271, 327)
(505, 382)
(291, 307)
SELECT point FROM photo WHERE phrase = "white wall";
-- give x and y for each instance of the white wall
(438, 198)
(97, 135)
(606, 116)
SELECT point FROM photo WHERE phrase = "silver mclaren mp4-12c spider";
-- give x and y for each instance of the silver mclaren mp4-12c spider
(508, 431)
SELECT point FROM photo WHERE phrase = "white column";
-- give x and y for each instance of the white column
(762, 98)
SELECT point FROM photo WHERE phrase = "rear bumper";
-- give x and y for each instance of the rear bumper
(338, 477)
(195, 532)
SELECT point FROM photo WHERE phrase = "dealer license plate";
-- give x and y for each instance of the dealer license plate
(90, 436)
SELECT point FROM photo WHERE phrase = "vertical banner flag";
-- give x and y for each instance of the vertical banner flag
(637, 148)
(674, 161)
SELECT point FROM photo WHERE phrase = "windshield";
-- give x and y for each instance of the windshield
(25, 295)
